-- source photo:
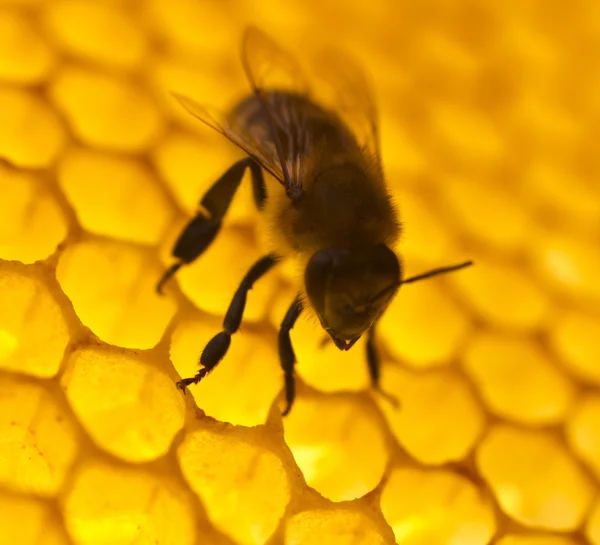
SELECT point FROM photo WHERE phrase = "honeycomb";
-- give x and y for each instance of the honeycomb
(489, 119)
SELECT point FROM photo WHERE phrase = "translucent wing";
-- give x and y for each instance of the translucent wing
(254, 148)
(281, 124)
(269, 67)
(347, 90)
(269, 129)
(270, 71)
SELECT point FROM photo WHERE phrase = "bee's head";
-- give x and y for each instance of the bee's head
(350, 287)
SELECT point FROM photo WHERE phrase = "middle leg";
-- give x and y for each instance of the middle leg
(217, 347)
(287, 357)
(374, 363)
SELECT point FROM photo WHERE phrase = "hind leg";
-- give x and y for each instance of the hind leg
(374, 363)
(203, 228)
(287, 356)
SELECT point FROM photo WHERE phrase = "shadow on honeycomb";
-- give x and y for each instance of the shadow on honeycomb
(490, 123)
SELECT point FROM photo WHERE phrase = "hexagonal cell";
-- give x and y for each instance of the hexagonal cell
(113, 290)
(96, 32)
(37, 439)
(24, 57)
(33, 332)
(535, 480)
(244, 487)
(29, 521)
(106, 111)
(538, 124)
(477, 144)
(211, 281)
(564, 194)
(115, 396)
(327, 436)
(31, 134)
(517, 380)
(190, 166)
(438, 419)
(423, 327)
(425, 240)
(574, 335)
(503, 295)
(592, 527)
(113, 504)
(179, 72)
(443, 65)
(33, 224)
(482, 210)
(178, 24)
(539, 539)
(436, 507)
(400, 153)
(242, 388)
(583, 431)
(324, 366)
(568, 263)
(334, 527)
(115, 196)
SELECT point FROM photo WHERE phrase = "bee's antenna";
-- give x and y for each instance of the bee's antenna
(435, 272)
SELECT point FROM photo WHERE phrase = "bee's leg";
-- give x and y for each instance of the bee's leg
(287, 357)
(259, 189)
(203, 228)
(375, 368)
(217, 347)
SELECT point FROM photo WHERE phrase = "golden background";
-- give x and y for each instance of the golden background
(490, 128)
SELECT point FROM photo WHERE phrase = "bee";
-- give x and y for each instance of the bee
(327, 206)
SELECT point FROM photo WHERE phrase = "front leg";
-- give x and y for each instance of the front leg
(375, 368)
(287, 357)
(203, 228)
(217, 347)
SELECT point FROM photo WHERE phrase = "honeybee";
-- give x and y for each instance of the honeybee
(327, 208)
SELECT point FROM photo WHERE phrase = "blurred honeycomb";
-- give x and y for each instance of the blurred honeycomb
(490, 119)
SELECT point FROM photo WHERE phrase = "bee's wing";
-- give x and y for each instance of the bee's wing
(270, 68)
(241, 139)
(349, 94)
